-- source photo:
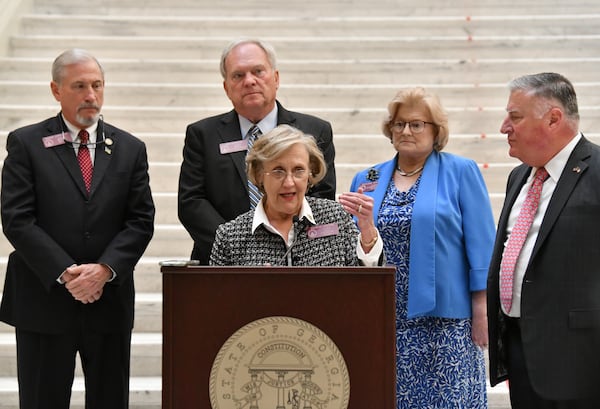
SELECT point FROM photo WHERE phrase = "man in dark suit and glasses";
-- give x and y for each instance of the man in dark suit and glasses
(544, 295)
(69, 282)
(213, 185)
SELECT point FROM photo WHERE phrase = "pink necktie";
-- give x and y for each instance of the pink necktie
(84, 159)
(518, 236)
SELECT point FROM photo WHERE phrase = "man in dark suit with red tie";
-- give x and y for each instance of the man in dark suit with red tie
(544, 294)
(69, 281)
(213, 185)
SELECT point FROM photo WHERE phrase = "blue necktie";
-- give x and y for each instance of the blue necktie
(253, 192)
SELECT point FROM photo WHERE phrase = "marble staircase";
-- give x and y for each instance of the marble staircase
(342, 60)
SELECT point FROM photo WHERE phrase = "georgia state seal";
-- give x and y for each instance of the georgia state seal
(280, 363)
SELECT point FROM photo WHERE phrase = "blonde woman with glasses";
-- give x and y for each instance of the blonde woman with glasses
(435, 218)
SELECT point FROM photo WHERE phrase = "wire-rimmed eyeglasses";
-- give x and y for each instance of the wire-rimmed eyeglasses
(280, 174)
(414, 126)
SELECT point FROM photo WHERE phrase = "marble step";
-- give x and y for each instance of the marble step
(395, 71)
(311, 8)
(290, 25)
(362, 120)
(145, 393)
(352, 96)
(318, 47)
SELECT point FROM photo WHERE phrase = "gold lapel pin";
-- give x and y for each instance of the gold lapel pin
(577, 169)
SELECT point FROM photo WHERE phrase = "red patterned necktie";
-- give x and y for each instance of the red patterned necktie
(518, 236)
(84, 159)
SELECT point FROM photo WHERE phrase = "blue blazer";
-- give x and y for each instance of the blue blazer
(452, 233)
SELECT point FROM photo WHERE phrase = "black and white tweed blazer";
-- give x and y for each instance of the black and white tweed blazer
(235, 245)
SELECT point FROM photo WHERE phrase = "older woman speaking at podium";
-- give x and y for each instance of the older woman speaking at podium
(288, 228)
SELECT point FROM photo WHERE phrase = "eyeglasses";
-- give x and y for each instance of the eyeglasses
(280, 174)
(414, 126)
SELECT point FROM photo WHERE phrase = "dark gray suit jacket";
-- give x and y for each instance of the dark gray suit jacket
(213, 186)
(560, 306)
(52, 223)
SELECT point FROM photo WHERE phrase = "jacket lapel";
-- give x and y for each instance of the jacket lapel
(103, 155)
(574, 169)
(66, 153)
(284, 116)
(230, 132)
(519, 178)
(386, 172)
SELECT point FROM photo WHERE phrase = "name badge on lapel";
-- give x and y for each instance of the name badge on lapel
(53, 140)
(323, 230)
(368, 187)
(235, 146)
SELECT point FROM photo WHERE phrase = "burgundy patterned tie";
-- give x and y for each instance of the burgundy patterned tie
(84, 159)
(517, 237)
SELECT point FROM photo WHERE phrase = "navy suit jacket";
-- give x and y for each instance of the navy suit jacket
(52, 223)
(560, 305)
(213, 186)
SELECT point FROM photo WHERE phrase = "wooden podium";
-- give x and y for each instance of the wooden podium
(203, 306)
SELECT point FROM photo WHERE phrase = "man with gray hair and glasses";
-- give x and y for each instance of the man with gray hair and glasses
(213, 185)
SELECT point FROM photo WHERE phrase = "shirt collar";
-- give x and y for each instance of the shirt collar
(556, 165)
(266, 124)
(75, 130)
(260, 217)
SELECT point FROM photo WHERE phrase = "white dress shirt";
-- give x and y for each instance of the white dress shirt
(554, 167)
(93, 137)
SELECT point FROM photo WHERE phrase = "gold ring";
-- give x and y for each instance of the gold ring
(359, 208)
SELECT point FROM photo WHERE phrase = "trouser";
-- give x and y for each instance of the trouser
(46, 367)
(522, 394)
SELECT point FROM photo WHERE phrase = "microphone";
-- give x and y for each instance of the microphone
(299, 225)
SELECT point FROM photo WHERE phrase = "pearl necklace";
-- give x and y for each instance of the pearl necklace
(403, 173)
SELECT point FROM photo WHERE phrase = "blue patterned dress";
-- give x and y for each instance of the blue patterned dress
(438, 366)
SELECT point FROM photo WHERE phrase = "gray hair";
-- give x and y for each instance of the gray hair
(266, 47)
(550, 88)
(70, 57)
(275, 143)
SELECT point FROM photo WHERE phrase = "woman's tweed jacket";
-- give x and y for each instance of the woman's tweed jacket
(235, 245)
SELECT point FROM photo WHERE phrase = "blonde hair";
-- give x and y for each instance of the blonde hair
(276, 142)
(413, 97)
